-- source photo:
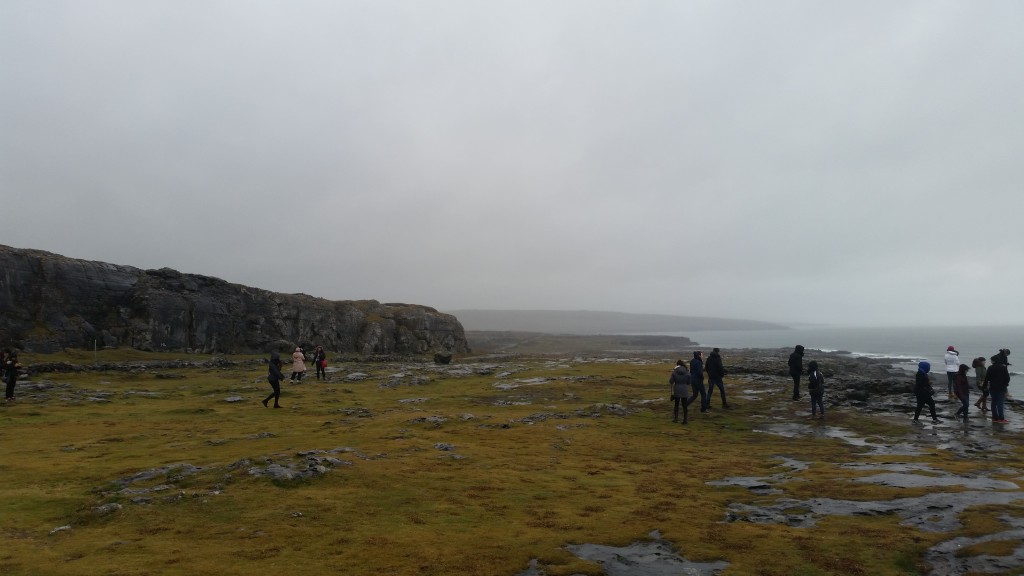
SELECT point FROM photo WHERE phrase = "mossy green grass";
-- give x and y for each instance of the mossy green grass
(455, 476)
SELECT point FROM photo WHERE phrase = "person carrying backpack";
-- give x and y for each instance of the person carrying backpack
(816, 386)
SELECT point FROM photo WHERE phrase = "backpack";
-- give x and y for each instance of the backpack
(816, 381)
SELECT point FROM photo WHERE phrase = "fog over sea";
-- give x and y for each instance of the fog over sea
(907, 346)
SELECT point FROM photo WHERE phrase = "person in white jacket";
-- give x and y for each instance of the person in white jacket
(952, 361)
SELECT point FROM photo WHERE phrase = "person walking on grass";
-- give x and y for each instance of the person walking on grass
(796, 367)
(679, 388)
(998, 377)
(923, 390)
(274, 376)
(979, 380)
(298, 365)
(816, 388)
(962, 390)
(716, 373)
(697, 381)
(952, 361)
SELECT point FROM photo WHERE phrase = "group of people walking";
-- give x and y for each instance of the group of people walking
(275, 375)
(992, 382)
(687, 383)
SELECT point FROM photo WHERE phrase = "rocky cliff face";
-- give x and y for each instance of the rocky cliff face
(49, 302)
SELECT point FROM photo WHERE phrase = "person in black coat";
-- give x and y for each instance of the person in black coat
(9, 373)
(679, 384)
(274, 376)
(716, 373)
(796, 368)
(697, 381)
(816, 388)
(320, 361)
(923, 390)
(998, 378)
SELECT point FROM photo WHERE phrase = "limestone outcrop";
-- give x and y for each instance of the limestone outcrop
(49, 302)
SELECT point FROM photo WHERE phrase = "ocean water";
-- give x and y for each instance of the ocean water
(907, 346)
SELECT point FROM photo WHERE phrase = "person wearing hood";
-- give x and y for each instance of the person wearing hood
(923, 390)
(1003, 353)
(298, 365)
(716, 373)
(962, 390)
(998, 378)
(979, 379)
(679, 388)
(274, 376)
(816, 388)
(697, 381)
(796, 367)
(952, 361)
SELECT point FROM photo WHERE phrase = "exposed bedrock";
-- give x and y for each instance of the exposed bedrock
(49, 302)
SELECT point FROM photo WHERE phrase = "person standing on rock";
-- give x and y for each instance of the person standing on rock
(816, 388)
(923, 390)
(962, 390)
(998, 377)
(274, 376)
(298, 365)
(679, 386)
(716, 373)
(320, 361)
(796, 368)
(952, 361)
(979, 380)
(697, 381)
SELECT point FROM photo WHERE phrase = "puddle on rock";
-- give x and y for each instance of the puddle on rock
(905, 480)
(936, 512)
(763, 485)
(656, 557)
(948, 558)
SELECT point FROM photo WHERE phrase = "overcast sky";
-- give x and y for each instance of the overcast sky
(793, 161)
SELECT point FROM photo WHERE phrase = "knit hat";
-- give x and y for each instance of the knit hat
(923, 366)
(950, 348)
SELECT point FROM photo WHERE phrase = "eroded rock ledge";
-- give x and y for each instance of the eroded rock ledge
(49, 302)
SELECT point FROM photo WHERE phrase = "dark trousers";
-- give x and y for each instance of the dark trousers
(921, 401)
(712, 382)
(321, 371)
(698, 388)
(951, 376)
(998, 399)
(276, 394)
(675, 411)
(818, 402)
(297, 376)
(964, 400)
(11, 378)
(796, 385)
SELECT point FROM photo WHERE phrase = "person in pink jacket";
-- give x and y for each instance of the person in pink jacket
(298, 365)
